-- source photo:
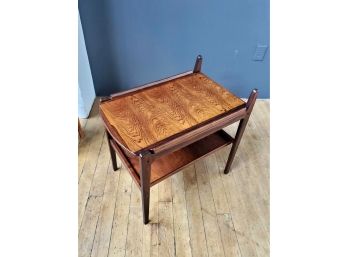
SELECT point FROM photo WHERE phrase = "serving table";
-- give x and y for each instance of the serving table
(161, 127)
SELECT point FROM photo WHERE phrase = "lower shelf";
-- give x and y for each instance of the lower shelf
(168, 165)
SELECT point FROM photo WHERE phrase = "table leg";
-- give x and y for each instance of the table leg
(241, 127)
(112, 152)
(145, 164)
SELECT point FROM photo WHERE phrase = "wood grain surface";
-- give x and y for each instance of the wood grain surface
(148, 116)
(166, 165)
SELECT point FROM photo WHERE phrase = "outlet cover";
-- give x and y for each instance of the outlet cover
(260, 52)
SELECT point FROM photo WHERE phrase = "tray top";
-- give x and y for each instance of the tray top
(147, 116)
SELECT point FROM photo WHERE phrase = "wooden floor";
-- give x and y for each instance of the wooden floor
(197, 212)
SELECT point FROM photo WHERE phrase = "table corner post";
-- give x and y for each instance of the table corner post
(198, 64)
(112, 151)
(145, 174)
(241, 127)
(251, 100)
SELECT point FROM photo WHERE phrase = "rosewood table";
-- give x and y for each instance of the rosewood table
(161, 127)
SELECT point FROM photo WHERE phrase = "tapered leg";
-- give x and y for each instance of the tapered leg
(112, 152)
(241, 127)
(239, 134)
(145, 172)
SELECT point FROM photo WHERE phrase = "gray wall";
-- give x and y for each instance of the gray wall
(86, 91)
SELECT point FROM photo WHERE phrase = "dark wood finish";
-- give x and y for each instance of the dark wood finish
(251, 100)
(116, 136)
(199, 133)
(160, 128)
(146, 86)
(198, 64)
(145, 171)
(184, 138)
(126, 163)
(169, 164)
(145, 118)
(112, 152)
(241, 127)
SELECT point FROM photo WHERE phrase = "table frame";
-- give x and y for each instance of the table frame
(148, 155)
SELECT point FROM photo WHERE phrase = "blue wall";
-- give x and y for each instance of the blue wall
(132, 42)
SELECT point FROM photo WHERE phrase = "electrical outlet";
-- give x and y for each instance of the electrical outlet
(260, 52)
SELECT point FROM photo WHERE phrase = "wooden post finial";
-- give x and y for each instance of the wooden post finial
(198, 64)
(252, 99)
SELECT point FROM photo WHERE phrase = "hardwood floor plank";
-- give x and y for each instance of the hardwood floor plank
(165, 190)
(194, 212)
(224, 218)
(260, 123)
(165, 219)
(249, 195)
(101, 170)
(181, 227)
(212, 232)
(150, 231)
(165, 230)
(215, 180)
(228, 235)
(135, 224)
(238, 212)
(91, 212)
(121, 215)
(89, 149)
(256, 194)
(93, 152)
(261, 165)
(103, 233)
(88, 227)
(154, 221)
(90, 130)
(87, 175)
